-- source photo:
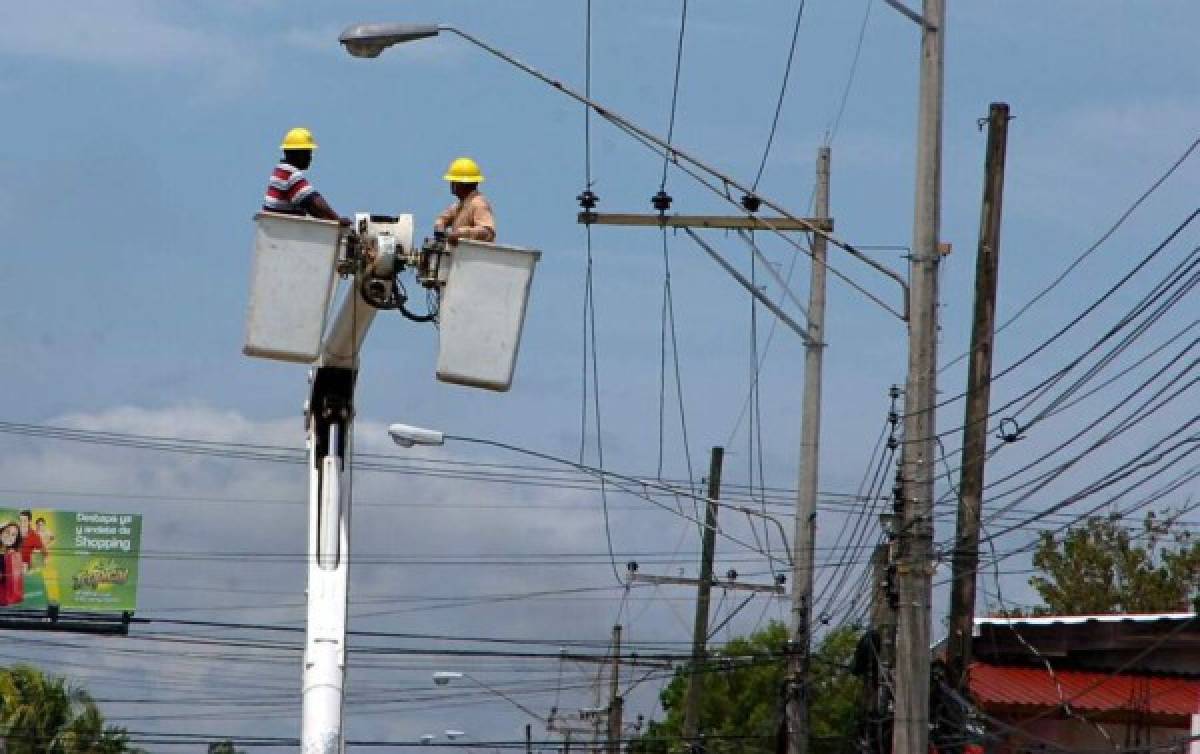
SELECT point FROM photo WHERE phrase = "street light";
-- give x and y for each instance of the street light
(371, 39)
(368, 40)
(406, 436)
(444, 677)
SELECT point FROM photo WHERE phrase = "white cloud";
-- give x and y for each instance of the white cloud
(133, 36)
(123, 33)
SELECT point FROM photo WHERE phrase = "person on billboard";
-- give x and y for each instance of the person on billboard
(30, 541)
(44, 532)
(12, 587)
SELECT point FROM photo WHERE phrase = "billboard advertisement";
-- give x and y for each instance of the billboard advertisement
(76, 561)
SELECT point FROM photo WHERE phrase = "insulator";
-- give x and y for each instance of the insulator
(751, 203)
(588, 199)
(661, 201)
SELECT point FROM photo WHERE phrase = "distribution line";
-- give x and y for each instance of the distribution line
(1090, 250)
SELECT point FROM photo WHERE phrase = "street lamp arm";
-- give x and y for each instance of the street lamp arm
(674, 153)
(369, 40)
(507, 698)
(603, 474)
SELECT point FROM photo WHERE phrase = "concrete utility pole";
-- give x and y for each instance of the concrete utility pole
(883, 624)
(615, 702)
(915, 566)
(691, 710)
(803, 562)
(979, 379)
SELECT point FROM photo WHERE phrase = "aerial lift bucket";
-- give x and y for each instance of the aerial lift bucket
(482, 313)
(293, 277)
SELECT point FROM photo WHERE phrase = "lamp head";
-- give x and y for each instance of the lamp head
(453, 734)
(406, 436)
(368, 40)
(443, 677)
(427, 738)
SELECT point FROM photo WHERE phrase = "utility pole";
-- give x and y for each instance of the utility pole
(883, 626)
(803, 562)
(615, 702)
(914, 564)
(979, 379)
(691, 712)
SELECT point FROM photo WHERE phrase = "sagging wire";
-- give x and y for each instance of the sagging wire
(587, 201)
(787, 72)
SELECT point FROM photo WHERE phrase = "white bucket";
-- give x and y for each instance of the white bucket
(482, 313)
(294, 274)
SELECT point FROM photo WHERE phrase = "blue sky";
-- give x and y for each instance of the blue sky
(136, 147)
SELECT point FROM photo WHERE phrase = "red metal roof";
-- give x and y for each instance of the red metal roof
(1084, 691)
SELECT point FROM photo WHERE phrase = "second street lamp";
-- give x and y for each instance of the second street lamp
(445, 677)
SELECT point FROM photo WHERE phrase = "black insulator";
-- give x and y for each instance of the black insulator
(1010, 430)
(893, 443)
(731, 575)
(751, 203)
(781, 578)
(588, 199)
(632, 566)
(661, 201)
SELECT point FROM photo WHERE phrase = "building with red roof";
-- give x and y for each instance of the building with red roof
(1087, 683)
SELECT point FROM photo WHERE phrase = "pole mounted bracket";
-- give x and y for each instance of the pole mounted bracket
(911, 15)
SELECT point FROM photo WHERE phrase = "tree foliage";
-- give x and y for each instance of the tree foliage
(742, 696)
(45, 714)
(1103, 567)
(223, 747)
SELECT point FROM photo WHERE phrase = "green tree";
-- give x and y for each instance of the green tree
(44, 714)
(223, 747)
(743, 692)
(1103, 567)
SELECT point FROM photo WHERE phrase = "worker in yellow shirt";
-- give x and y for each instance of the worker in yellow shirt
(471, 216)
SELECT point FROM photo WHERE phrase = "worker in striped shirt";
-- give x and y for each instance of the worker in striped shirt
(288, 191)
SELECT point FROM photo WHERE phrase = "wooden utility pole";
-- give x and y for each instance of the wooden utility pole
(914, 564)
(691, 710)
(803, 560)
(615, 702)
(979, 379)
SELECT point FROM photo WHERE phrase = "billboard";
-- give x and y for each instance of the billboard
(76, 561)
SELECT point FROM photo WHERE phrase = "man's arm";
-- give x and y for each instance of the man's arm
(315, 205)
(446, 219)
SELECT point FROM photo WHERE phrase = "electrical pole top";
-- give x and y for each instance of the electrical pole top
(730, 584)
(726, 222)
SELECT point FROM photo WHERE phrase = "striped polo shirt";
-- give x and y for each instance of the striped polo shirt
(287, 190)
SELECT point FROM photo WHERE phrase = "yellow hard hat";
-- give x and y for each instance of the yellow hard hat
(298, 138)
(464, 170)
